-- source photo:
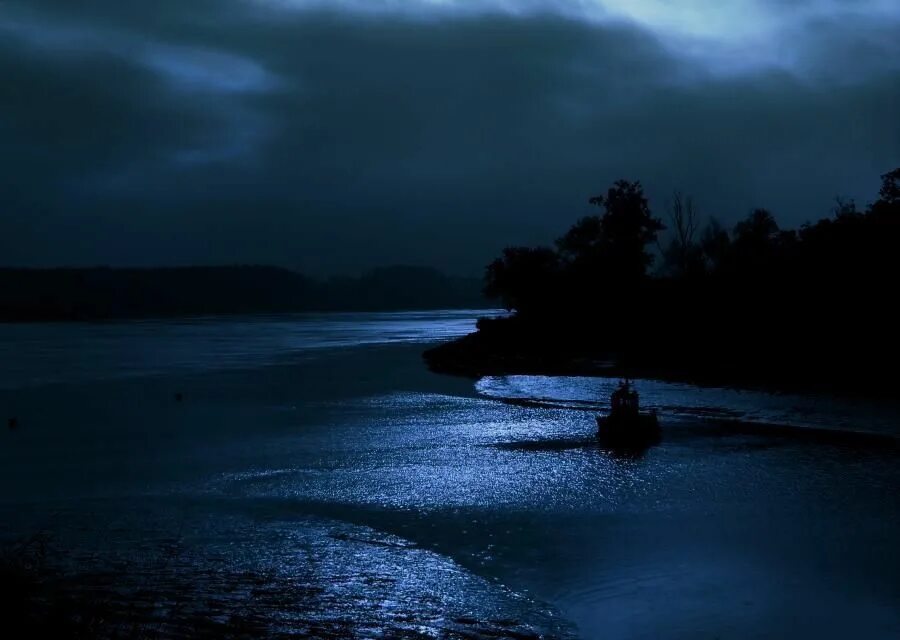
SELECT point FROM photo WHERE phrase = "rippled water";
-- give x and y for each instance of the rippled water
(62, 352)
(683, 401)
(386, 500)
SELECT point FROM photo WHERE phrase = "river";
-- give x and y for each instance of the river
(315, 479)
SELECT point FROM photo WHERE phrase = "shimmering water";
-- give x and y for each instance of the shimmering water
(318, 452)
(45, 353)
(683, 401)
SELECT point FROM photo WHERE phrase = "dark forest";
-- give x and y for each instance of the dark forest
(814, 306)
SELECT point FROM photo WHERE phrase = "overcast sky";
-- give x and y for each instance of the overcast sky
(336, 136)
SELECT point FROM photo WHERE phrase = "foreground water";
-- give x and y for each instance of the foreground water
(316, 480)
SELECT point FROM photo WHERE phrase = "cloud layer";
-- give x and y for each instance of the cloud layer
(336, 136)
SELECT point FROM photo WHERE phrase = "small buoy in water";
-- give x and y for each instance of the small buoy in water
(179, 397)
(13, 423)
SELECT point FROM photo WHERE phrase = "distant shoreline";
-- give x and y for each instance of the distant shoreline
(104, 294)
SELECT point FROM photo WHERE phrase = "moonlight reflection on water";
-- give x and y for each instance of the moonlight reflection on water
(344, 490)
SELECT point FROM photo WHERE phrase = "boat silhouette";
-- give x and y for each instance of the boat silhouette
(626, 425)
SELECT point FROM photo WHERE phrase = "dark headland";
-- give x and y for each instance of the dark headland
(625, 293)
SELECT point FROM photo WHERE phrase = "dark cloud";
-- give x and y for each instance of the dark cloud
(336, 139)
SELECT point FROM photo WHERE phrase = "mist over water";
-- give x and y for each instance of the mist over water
(315, 456)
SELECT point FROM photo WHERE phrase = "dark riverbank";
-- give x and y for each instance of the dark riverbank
(808, 309)
(513, 346)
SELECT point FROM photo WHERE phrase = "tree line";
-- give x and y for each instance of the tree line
(755, 302)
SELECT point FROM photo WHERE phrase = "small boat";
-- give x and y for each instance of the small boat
(626, 425)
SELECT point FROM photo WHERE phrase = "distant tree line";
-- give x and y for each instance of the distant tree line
(756, 303)
(107, 293)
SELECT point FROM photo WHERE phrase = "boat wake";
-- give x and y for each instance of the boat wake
(709, 410)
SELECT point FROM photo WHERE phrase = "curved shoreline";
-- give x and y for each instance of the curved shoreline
(492, 353)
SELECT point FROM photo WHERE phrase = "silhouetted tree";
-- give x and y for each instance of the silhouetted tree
(888, 203)
(583, 243)
(759, 228)
(845, 209)
(754, 245)
(715, 244)
(523, 278)
(683, 256)
(613, 247)
(890, 187)
(773, 306)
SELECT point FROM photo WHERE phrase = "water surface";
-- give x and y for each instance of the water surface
(318, 452)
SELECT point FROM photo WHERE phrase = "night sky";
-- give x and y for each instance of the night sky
(336, 136)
